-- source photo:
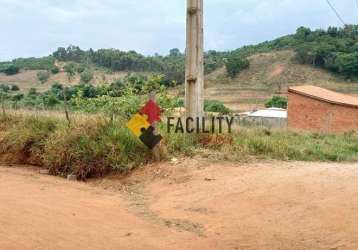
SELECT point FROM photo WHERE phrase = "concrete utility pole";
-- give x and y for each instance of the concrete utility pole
(194, 73)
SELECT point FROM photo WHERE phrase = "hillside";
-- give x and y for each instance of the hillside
(269, 73)
(326, 58)
(27, 79)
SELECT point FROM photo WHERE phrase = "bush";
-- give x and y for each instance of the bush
(14, 87)
(81, 68)
(86, 76)
(12, 70)
(93, 148)
(55, 70)
(277, 102)
(70, 69)
(43, 76)
(235, 64)
(4, 88)
(216, 106)
(24, 141)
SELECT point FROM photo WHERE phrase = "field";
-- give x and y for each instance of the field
(185, 204)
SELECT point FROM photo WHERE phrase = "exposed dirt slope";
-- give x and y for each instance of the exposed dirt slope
(269, 73)
(192, 204)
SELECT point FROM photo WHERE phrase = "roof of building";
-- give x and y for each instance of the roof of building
(325, 95)
(270, 113)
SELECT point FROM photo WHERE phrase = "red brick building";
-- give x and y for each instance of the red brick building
(320, 110)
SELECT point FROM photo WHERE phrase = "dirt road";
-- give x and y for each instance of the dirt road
(189, 204)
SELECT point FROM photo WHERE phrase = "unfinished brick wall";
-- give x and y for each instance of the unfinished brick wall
(310, 114)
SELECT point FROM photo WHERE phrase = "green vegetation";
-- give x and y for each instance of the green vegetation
(235, 64)
(86, 76)
(95, 141)
(88, 148)
(11, 70)
(286, 145)
(335, 49)
(216, 106)
(93, 146)
(277, 102)
(112, 99)
(209, 106)
(55, 70)
(268, 144)
(43, 63)
(70, 69)
(43, 76)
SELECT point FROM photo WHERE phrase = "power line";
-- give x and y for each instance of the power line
(336, 12)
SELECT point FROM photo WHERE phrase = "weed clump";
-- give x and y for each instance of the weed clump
(97, 145)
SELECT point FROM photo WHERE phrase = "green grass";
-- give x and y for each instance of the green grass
(270, 144)
(286, 145)
(88, 148)
(94, 146)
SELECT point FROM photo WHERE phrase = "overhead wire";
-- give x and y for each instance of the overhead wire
(336, 12)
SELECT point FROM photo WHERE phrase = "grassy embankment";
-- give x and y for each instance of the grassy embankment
(93, 146)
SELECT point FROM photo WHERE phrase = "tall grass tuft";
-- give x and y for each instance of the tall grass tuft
(94, 146)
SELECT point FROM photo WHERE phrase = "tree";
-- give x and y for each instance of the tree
(55, 70)
(175, 52)
(86, 76)
(43, 76)
(277, 102)
(50, 100)
(347, 63)
(302, 33)
(12, 70)
(70, 69)
(235, 64)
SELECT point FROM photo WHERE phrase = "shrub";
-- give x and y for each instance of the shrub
(14, 87)
(12, 70)
(216, 106)
(4, 88)
(55, 70)
(70, 69)
(277, 102)
(43, 76)
(86, 76)
(93, 148)
(24, 141)
(235, 64)
(81, 68)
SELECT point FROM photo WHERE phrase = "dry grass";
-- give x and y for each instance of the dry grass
(269, 73)
(93, 146)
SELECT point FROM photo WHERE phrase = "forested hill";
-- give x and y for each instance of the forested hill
(334, 49)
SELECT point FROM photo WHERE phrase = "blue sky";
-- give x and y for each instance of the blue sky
(38, 27)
